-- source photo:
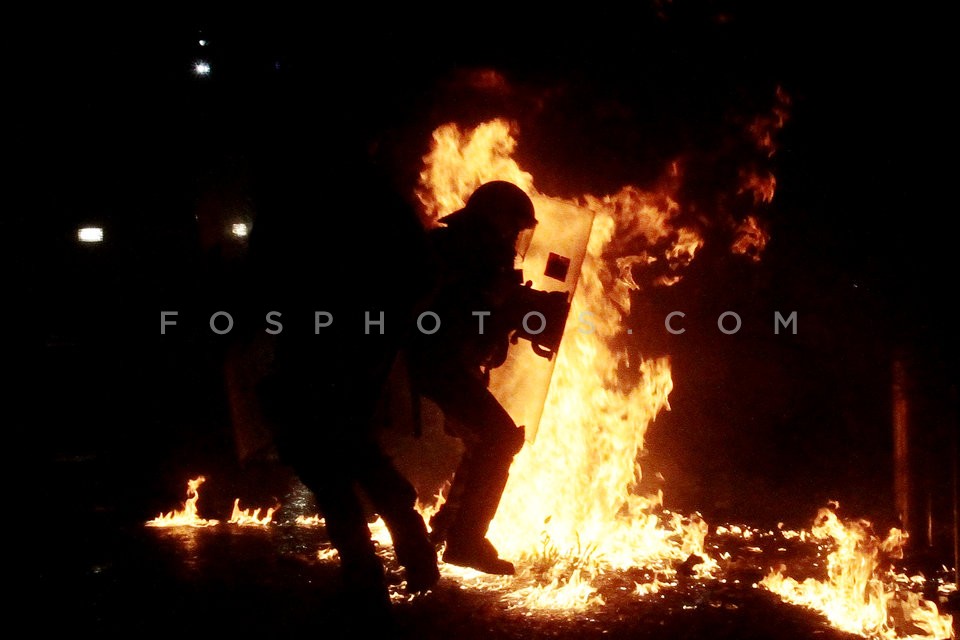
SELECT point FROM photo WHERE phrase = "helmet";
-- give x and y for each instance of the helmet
(501, 203)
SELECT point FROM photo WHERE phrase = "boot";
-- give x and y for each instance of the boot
(480, 555)
(419, 559)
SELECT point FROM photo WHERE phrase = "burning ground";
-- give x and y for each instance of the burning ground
(280, 579)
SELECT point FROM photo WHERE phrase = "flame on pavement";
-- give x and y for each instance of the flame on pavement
(860, 592)
(188, 516)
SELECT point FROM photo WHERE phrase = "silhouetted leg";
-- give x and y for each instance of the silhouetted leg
(394, 499)
(482, 476)
(491, 440)
(323, 460)
(440, 521)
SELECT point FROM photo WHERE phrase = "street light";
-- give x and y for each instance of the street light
(90, 234)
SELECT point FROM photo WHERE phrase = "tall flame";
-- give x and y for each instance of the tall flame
(855, 596)
(569, 494)
(188, 516)
(461, 161)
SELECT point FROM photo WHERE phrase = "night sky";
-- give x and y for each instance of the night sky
(118, 130)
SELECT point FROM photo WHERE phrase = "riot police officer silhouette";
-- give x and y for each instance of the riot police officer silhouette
(475, 251)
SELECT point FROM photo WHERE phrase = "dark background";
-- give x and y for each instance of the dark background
(113, 127)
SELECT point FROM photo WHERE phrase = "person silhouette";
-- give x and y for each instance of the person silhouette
(331, 358)
(475, 285)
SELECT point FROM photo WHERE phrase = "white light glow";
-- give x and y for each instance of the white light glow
(203, 43)
(90, 234)
(240, 229)
(201, 68)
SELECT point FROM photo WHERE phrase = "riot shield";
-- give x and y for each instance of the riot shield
(551, 267)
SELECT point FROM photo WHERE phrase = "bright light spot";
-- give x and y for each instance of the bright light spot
(201, 68)
(202, 43)
(240, 230)
(90, 234)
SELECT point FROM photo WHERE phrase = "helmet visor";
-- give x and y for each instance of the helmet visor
(522, 244)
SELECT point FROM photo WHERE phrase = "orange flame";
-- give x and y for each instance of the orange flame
(380, 534)
(633, 216)
(570, 490)
(246, 518)
(759, 183)
(461, 161)
(762, 186)
(857, 595)
(750, 239)
(764, 128)
(188, 516)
